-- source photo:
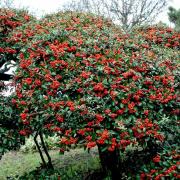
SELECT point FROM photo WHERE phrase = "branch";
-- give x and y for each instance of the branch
(5, 77)
(36, 113)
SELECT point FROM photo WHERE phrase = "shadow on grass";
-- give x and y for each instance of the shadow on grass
(76, 165)
(62, 174)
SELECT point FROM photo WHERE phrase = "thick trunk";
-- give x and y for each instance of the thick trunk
(110, 162)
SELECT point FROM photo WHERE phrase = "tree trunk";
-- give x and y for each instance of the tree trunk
(39, 149)
(110, 162)
(50, 165)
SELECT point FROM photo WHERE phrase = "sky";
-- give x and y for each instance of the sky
(41, 7)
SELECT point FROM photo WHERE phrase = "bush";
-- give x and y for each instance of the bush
(10, 20)
(10, 139)
(163, 165)
(81, 78)
(9, 136)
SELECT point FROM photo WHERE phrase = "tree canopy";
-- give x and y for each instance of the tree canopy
(174, 17)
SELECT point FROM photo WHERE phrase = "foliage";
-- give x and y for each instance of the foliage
(83, 79)
(76, 171)
(163, 165)
(174, 17)
(10, 19)
(10, 139)
(104, 85)
(9, 136)
(160, 35)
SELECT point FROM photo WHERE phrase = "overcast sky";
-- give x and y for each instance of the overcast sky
(40, 7)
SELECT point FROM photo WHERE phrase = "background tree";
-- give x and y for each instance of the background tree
(174, 17)
(6, 3)
(127, 13)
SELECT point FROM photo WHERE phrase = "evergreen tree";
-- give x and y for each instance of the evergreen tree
(174, 17)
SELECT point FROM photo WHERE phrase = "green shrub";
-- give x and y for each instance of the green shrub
(84, 80)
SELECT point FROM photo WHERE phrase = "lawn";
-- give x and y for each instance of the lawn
(74, 164)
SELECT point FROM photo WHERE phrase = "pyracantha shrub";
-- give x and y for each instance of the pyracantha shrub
(10, 19)
(88, 82)
(163, 36)
(10, 139)
(164, 165)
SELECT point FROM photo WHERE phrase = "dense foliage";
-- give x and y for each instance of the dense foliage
(163, 165)
(9, 136)
(10, 139)
(9, 20)
(174, 17)
(83, 79)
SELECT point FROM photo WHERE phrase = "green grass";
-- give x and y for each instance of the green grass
(72, 163)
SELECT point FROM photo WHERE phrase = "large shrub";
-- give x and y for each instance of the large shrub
(10, 19)
(84, 80)
(162, 165)
(10, 139)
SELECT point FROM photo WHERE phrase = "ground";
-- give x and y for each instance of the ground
(75, 161)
